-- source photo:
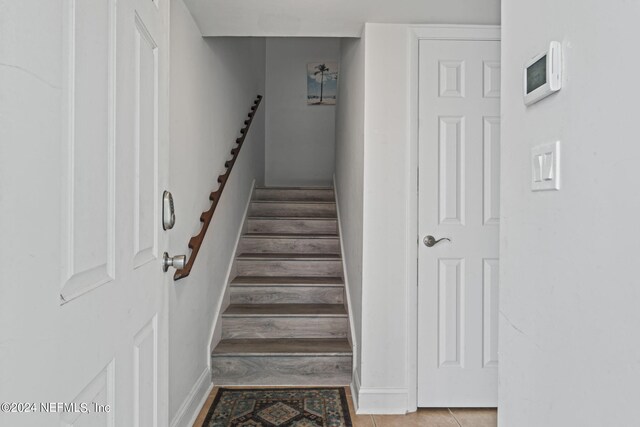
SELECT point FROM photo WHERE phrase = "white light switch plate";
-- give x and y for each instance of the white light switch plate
(545, 167)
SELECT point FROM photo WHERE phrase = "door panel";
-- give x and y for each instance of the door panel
(146, 214)
(88, 220)
(113, 318)
(459, 169)
(491, 170)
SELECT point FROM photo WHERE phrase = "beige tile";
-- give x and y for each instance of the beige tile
(422, 418)
(476, 417)
(357, 420)
(362, 421)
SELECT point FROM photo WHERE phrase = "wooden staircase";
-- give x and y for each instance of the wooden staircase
(287, 321)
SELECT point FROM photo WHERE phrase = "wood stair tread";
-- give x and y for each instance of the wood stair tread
(293, 218)
(295, 202)
(294, 188)
(289, 236)
(318, 216)
(289, 256)
(283, 347)
(285, 310)
(287, 281)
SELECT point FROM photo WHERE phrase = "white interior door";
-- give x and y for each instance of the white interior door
(459, 169)
(111, 319)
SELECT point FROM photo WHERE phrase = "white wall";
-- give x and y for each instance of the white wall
(384, 379)
(31, 161)
(332, 18)
(300, 138)
(349, 176)
(213, 84)
(569, 353)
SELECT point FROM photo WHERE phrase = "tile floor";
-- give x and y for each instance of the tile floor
(422, 418)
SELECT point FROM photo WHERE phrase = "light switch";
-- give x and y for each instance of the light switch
(537, 168)
(545, 167)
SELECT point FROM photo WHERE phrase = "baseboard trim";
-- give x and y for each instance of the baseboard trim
(355, 390)
(193, 403)
(377, 401)
(352, 327)
(380, 401)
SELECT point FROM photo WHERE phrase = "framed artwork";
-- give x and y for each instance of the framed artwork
(322, 83)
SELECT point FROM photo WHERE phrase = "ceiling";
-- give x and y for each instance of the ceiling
(331, 18)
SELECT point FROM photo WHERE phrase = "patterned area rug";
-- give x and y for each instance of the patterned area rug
(286, 407)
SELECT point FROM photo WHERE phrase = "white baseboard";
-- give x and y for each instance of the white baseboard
(381, 401)
(352, 327)
(355, 390)
(192, 404)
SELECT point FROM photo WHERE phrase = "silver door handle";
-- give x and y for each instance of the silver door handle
(178, 262)
(430, 241)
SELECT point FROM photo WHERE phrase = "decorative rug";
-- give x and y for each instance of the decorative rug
(282, 407)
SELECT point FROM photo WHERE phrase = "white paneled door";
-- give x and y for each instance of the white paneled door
(459, 190)
(112, 319)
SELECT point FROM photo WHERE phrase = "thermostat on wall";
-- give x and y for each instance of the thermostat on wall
(543, 74)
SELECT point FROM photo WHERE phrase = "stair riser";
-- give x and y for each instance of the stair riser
(305, 246)
(286, 295)
(293, 226)
(322, 210)
(311, 195)
(289, 268)
(284, 327)
(281, 370)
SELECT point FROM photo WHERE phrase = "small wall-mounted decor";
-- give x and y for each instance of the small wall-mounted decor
(322, 83)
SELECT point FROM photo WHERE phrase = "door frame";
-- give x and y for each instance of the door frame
(417, 33)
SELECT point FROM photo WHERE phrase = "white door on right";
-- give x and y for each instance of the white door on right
(459, 190)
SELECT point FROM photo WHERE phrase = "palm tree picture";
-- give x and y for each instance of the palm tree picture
(322, 83)
(322, 68)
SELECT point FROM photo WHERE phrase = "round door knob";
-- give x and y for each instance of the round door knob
(178, 262)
